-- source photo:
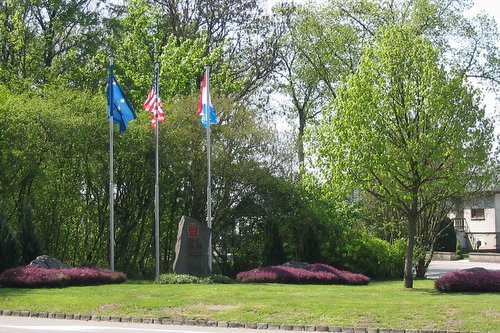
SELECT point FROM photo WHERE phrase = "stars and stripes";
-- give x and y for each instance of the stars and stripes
(153, 103)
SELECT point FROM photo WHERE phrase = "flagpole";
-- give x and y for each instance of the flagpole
(111, 183)
(157, 187)
(209, 176)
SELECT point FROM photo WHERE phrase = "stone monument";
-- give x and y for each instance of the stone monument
(191, 249)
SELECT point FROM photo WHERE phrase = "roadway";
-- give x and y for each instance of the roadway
(44, 325)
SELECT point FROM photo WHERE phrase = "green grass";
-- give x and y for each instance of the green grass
(378, 305)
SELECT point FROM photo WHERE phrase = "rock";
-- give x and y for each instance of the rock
(296, 264)
(48, 262)
(191, 249)
(474, 269)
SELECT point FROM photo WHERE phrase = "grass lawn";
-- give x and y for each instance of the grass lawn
(377, 305)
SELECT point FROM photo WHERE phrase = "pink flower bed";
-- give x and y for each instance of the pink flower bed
(314, 274)
(474, 279)
(34, 277)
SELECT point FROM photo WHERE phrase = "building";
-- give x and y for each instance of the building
(477, 224)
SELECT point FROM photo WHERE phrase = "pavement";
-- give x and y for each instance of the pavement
(440, 267)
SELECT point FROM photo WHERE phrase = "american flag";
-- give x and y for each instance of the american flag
(153, 103)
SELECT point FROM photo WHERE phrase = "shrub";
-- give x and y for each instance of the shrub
(473, 279)
(34, 277)
(314, 274)
(171, 278)
(372, 256)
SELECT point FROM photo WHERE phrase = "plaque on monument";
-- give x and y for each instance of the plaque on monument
(191, 249)
(193, 231)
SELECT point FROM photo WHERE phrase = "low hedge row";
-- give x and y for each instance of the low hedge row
(312, 274)
(469, 280)
(35, 277)
(172, 278)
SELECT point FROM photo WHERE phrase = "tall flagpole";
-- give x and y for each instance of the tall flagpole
(209, 176)
(111, 183)
(157, 187)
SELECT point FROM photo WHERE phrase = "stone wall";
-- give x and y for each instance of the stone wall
(484, 257)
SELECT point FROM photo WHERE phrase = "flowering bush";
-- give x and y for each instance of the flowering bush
(314, 274)
(34, 277)
(474, 279)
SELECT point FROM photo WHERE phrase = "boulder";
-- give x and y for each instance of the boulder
(192, 248)
(48, 262)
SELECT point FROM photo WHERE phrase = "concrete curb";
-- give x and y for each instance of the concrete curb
(211, 323)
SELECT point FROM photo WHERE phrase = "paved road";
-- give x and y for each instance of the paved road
(439, 267)
(43, 325)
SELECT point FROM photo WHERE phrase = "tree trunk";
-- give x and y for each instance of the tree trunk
(412, 230)
(300, 141)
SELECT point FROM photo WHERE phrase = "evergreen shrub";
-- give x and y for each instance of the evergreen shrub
(469, 280)
(35, 277)
(314, 274)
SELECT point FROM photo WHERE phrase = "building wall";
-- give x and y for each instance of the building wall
(497, 219)
(485, 229)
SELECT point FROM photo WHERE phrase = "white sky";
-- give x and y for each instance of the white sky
(491, 8)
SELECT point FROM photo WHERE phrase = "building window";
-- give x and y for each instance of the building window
(477, 213)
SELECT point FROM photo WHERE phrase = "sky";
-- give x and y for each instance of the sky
(491, 8)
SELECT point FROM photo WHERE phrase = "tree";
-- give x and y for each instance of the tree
(49, 41)
(404, 130)
(9, 247)
(325, 43)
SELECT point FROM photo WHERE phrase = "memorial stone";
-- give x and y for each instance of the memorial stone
(191, 249)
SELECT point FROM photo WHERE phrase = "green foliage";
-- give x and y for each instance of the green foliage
(447, 238)
(398, 131)
(30, 246)
(459, 252)
(9, 247)
(373, 257)
(172, 278)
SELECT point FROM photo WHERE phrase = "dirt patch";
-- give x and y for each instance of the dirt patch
(215, 307)
(491, 313)
(109, 306)
(454, 322)
(172, 312)
(201, 308)
(364, 321)
(451, 312)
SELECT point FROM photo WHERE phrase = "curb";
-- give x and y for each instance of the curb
(225, 324)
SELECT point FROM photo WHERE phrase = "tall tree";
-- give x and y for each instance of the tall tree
(325, 41)
(46, 41)
(405, 131)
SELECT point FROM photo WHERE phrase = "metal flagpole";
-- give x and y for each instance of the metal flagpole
(111, 183)
(209, 176)
(157, 188)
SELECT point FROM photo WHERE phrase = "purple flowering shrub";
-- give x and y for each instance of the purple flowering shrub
(35, 277)
(314, 274)
(466, 280)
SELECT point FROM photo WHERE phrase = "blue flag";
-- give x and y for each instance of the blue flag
(118, 105)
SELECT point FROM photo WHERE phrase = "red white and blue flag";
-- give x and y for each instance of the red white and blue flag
(153, 103)
(204, 100)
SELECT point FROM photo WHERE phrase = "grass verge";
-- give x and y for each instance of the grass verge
(379, 304)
